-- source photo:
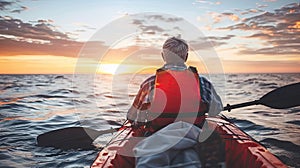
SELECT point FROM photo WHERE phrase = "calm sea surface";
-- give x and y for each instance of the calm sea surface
(34, 104)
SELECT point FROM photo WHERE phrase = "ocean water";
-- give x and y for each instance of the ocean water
(34, 104)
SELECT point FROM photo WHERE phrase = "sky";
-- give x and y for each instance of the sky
(116, 36)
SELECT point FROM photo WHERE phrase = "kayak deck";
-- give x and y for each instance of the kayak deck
(238, 148)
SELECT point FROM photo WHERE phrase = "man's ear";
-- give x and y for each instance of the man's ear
(162, 55)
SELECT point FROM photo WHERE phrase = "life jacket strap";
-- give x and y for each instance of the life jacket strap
(178, 115)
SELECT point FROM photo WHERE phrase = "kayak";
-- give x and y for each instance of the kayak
(235, 149)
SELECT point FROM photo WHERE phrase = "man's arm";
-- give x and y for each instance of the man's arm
(216, 105)
(142, 101)
(210, 96)
(132, 112)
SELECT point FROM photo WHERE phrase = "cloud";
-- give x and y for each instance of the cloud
(4, 5)
(84, 26)
(231, 16)
(205, 2)
(261, 5)
(38, 38)
(42, 38)
(45, 21)
(10, 47)
(41, 30)
(251, 11)
(270, 0)
(147, 29)
(153, 29)
(12, 6)
(204, 45)
(228, 37)
(21, 9)
(172, 26)
(80, 30)
(148, 24)
(164, 18)
(282, 49)
(219, 17)
(67, 48)
(209, 42)
(279, 31)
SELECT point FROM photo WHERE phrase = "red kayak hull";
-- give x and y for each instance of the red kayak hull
(240, 149)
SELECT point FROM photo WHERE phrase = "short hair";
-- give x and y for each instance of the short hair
(175, 46)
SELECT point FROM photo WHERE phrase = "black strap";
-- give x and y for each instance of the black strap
(178, 115)
(160, 70)
(193, 69)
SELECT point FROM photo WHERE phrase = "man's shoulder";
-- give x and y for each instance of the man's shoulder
(149, 81)
(205, 83)
(204, 79)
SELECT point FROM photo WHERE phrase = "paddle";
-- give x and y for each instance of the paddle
(80, 137)
(284, 97)
(71, 138)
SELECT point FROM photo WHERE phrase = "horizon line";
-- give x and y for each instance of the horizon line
(140, 73)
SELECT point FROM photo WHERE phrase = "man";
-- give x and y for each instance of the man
(175, 93)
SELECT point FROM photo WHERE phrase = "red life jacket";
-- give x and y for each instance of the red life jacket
(176, 98)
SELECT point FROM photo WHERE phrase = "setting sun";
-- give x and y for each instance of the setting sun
(115, 69)
(108, 68)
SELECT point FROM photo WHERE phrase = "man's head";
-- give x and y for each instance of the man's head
(175, 50)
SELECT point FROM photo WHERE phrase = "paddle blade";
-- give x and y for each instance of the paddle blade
(284, 97)
(69, 138)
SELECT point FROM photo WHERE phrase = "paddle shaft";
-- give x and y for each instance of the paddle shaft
(250, 103)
